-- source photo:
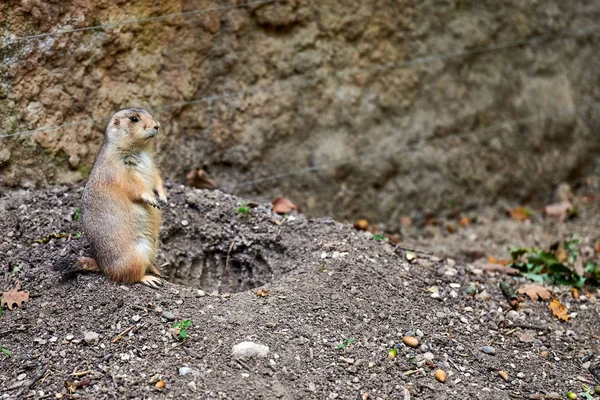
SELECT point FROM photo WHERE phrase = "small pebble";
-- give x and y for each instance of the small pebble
(512, 315)
(249, 350)
(201, 293)
(192, 386)
(168, 315)
(410, 341)
(440, 375)
(504, 375)
(136, 318)
(125, 357)
(69, 337)
(520, 375)
(488, 350)
(183, 371)
(184, 222)
(91, 338)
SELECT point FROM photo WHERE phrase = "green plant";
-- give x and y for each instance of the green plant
(592, 270)
(543, 267)
(6, 351)
(77, 215)
(571, 246)
(243, 208)
(182, 326)
(345, 343)
(380, 238)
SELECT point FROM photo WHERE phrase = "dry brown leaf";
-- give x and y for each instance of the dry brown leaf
(361, 224)
(519, 214)
(535, 291)
(262, 293)
(200, 179)
(499, 268)
(575, 293)
(71, 387)
(561, 254)
(494, 260)
(281, 205)
(464, 221)
(15, 296)
(559, 310)
(405, 220)
(559, 210)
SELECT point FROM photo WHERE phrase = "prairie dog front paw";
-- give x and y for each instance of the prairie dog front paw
(150, 199)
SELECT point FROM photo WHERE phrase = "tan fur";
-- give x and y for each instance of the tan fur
(120, 215)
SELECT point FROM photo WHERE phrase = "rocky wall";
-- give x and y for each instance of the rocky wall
(315, 95)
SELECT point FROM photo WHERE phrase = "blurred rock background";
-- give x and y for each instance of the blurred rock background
(313, 100)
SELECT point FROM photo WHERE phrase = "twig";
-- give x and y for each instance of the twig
(243, 365)
(122, 334)
(131, 328)
(228, 254)
(533, 327)
(82, 373)
(193, 353)
(32, 382)
(429, 253)
(408, 373)
(454, 365)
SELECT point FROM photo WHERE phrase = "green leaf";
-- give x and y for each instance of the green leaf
(77, 215)
(572, 248)
(516, 252)
(345, 343)
(592, 270)
(243, 209)
(541, 257)
(380, 238)
(538, 278)
(183, 334)
(186, 323)
(6, 351)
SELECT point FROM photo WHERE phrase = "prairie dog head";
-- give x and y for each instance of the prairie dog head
(131, 127)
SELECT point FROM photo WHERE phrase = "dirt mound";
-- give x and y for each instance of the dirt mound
(337, 302)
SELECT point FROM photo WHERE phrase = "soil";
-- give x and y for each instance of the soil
(325, 284)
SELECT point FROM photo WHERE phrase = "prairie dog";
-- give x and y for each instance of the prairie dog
(121, 201)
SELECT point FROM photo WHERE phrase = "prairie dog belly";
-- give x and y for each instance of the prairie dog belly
(146, 219)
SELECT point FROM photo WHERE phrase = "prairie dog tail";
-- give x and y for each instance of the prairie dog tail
(72, 264)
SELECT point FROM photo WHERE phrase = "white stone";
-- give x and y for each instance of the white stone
(249, 350)
(91, 338)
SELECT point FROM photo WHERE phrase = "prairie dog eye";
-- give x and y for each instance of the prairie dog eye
(133, 119)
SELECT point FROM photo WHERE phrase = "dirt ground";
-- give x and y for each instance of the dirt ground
(337, 302)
